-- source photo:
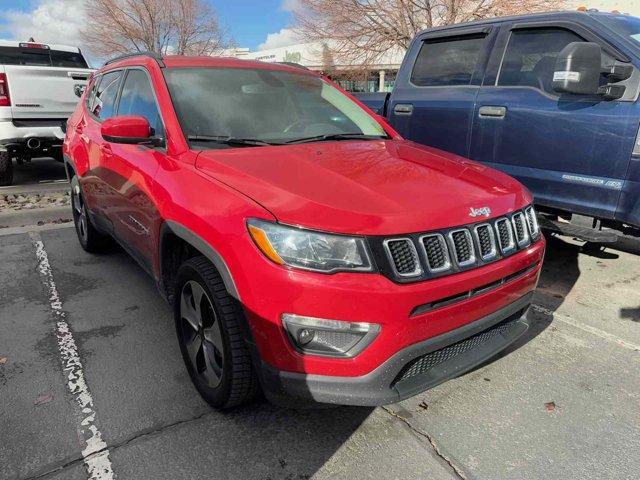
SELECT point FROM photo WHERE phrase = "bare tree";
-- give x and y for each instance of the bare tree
(362, 31)
(163, 26)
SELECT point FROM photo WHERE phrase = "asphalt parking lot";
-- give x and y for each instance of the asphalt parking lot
(110, 397)
(37, 172)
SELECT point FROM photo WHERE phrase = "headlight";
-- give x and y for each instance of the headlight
(321, 252)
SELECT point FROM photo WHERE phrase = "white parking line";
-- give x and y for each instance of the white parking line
(587, 328)
(95, 453)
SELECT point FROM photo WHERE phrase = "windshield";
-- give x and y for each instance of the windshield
(266, 105)
(624, 25)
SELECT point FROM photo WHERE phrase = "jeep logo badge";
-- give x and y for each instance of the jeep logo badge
(477, 212)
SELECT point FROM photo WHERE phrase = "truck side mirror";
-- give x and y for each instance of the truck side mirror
(578, 68)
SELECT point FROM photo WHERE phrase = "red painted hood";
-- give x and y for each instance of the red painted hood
(365, 187)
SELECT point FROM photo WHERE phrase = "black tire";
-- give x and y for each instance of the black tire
(6, 169)
(91, 240)
(56, 154)
(219, 365)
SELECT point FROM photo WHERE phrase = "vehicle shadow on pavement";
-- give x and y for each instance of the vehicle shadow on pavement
(632, 314)
(560, 272)
(38, 170)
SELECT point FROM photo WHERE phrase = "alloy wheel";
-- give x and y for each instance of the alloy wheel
(201, 334)
(79, 212)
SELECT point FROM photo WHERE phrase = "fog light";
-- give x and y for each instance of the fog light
(328, 337)
(305, 336)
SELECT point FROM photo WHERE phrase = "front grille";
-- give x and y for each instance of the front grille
(436, 252)
(520, 228)
(422, 365)
(421, 256)
(463, 247)
(402, 254)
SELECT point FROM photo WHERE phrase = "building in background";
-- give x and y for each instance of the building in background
(379, 76)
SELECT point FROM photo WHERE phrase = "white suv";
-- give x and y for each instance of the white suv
(39, 89)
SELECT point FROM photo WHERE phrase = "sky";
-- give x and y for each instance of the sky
(254, 24)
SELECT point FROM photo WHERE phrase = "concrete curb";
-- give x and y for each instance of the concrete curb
(21, 218)
(36, 189)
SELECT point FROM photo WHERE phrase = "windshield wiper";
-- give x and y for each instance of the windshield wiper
(228, 140)
(337, 136)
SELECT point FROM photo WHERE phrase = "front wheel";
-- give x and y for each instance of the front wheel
(91, 240)
(210, 336)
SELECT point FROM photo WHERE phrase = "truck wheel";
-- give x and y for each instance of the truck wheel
(6, 169)
(210, 336)
(91, 240)
(56, 154)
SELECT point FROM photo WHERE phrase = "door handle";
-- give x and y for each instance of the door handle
(403, 109)
(105, 149)
(492, 111)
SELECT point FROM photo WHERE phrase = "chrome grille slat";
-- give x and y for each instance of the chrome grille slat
(505, 235)
(486, 241)
(403, 257)
(520, 228)
(436, 252)
(463, 250)
(532, 222)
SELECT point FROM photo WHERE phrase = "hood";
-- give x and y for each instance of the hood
(365, 187)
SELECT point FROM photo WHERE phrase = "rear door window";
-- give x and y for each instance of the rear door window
(137, 98)
(104, 104)
(448, 61)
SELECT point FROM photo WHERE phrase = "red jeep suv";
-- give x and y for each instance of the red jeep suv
(307, 249)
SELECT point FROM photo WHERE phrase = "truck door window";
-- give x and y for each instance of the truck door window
(103, 106)
(137, 99)
(448, 61)
(531, 57)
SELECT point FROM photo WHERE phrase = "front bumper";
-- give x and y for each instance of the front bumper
(407, 314)
(410, 371)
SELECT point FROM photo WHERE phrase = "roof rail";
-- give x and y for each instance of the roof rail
(157, 57)
(293, 64)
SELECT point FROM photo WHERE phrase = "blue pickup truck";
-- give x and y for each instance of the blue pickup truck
(551, 99)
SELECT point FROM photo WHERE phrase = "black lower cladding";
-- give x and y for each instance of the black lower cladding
(410, 371)
(422, 365)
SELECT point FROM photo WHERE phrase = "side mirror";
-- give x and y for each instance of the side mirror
(578, 68)
(131, 129)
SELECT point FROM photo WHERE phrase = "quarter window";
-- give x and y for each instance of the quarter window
(447, 61)
(137, 99)
(531, 57)
(91, 97)
(104, 104)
